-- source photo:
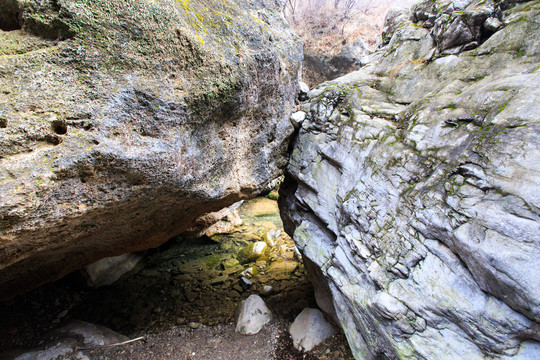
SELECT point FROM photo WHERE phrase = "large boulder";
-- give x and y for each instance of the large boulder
(121, 122)
(414, 191)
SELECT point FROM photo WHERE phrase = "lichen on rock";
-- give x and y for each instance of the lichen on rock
(413, 189)
(124, 121)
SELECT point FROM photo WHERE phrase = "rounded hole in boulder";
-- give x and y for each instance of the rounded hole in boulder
(10, 15)
(59, 127)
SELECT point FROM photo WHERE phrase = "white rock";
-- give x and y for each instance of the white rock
(310, 329)
(92, 334)
(253, 316)
(106, 271)
(493, 24)
(272, 237)
(303, 87)
(267, 289)
(298, 118)
(248, 272)
(259, 247)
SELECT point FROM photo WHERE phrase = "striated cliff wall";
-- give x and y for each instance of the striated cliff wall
(413, 188)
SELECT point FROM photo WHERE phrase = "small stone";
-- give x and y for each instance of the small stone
(283, 266)
(248, 272)
(303, 91)
(191, 296)
(274, 195)
(272, 237)
(233, 270)
(263, 279)
(62, 314)
(251, 252)
(259, 247)
(303, 87)
(253, 316)
(245, 283)
(219, 280)
(230, 263)
(194, 325)
(310, 329)
(298, 118)
(267, 289)
(80, 356)
(492, 24)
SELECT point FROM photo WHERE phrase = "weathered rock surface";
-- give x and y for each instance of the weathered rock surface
(309, 329)
(318, 68)
(123, 122)
(253, 316)
(414, 188)
(218, 222)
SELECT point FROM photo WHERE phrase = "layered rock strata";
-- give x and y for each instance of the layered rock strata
(413, 188)
(121, 122)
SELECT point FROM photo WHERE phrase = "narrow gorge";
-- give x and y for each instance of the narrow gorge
(411, 186)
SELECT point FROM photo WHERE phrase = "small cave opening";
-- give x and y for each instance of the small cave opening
(10, 18)
(193, 284)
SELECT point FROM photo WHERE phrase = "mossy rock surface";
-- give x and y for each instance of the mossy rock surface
(124, 121)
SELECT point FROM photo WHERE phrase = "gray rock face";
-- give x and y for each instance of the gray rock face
(121, 124)
(253, 316)
(318, 68)
(309, 329)
(458, 25)
(414, 193)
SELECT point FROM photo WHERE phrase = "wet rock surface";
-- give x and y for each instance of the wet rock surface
(413, 188)
(122, 123)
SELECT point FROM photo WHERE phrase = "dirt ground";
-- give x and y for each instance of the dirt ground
(220, 342)
(183, 299)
